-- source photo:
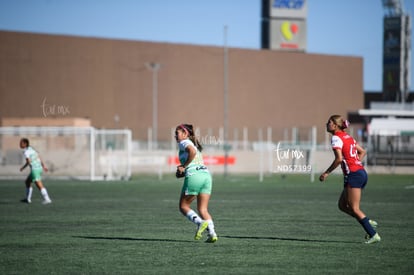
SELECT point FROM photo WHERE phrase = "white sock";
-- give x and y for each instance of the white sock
(29, 192)
(210, 228)
(45, 195)
(192, 216)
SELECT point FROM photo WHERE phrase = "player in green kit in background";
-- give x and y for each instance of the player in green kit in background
(36, 169)
(197, 182)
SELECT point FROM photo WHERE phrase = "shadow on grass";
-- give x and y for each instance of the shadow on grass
(284, 239)
(131, 239)
(227, 237)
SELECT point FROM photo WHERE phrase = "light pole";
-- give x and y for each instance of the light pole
(154, 68)
(226, 100)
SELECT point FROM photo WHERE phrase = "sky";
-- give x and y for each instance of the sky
(334, 27)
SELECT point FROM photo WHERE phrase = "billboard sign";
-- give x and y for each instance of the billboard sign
(288, 34)
(288, 8)
(392, 53)
(284, 24)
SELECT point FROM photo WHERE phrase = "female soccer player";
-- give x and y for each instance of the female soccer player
(349, 154)
(36, 166)
(197, 182)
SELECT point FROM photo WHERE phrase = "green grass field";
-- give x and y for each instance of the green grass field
(279, 226)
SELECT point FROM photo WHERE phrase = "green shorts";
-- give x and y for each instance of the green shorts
(35, 175)
(198, 183)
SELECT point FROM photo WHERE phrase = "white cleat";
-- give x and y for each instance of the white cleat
(47, 201)
(374, 239)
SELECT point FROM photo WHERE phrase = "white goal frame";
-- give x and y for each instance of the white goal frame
(69, 152)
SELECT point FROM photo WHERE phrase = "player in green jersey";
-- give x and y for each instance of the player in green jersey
(197, 182)
(36, 169)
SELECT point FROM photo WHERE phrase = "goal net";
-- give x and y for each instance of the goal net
(69, 152)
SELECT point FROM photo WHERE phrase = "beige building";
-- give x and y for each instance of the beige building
(107, 81)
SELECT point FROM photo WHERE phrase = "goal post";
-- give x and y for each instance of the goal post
(69, 152)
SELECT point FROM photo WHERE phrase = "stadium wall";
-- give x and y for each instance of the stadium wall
(107, 81)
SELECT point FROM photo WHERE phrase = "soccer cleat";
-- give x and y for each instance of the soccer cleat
(212, 239)
(201, 227)
(374, 239)
(26, 201)
(46, 201)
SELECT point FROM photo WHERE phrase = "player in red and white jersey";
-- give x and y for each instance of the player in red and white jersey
(351, 159)
(348, 153)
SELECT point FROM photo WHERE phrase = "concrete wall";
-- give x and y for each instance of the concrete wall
(100, 79)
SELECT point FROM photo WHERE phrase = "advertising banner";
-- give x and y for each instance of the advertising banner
(392, 54)
(285, 8)
(284, 24)
(288, 34)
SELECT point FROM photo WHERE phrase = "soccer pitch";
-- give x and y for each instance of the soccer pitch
(283, 225)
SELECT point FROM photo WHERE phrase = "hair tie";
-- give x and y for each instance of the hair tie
(182, 126)
(345, 124)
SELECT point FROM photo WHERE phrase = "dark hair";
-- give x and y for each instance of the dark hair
(190, 130)
(340, 122)
(26, 141)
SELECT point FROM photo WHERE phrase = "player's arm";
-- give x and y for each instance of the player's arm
(43, 165)
(361, 151)
(25, 165)
(335, 163)
(191, 155)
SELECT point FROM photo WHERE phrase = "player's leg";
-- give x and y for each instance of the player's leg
(185, 206)
(39, 184)
(203, 200)
(186, 198)
(343, 204)
(202, 206)
(188, 195)
(204, 187)
(185, 209)
(37, 176)
(29, 189)
(354, 198)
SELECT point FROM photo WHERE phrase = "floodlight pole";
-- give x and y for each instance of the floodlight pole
(226, 101)
(154, 68)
